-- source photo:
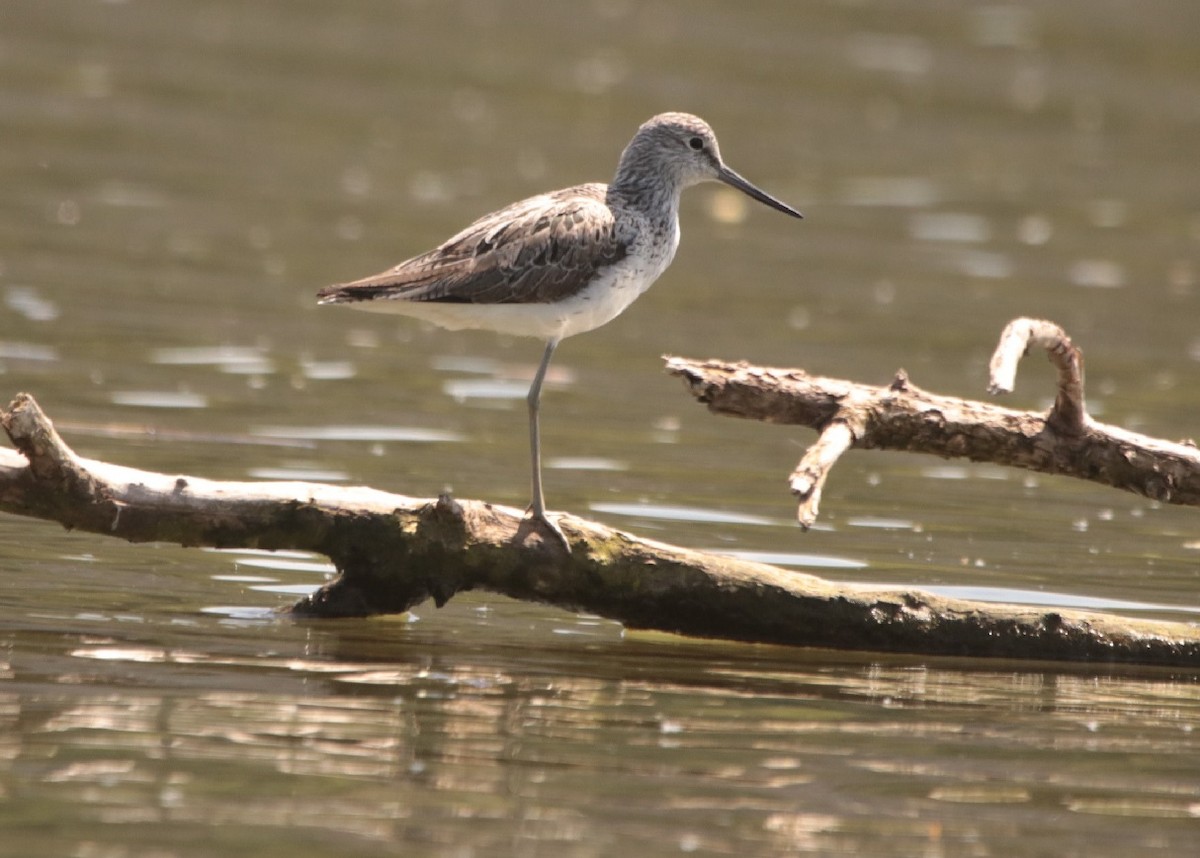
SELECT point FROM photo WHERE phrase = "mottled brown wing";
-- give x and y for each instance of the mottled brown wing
(539, 250)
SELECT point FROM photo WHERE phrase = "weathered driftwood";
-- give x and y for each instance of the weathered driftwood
(901, 416)
(395, 552)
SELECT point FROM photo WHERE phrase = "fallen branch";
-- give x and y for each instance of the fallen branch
(901, 416)
(394, 552)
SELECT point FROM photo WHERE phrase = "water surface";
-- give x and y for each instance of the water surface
(181, 177)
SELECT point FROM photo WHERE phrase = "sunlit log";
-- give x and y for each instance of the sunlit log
(395, 552)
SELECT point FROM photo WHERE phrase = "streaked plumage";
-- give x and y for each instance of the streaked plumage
(561, 263)
(536, 251)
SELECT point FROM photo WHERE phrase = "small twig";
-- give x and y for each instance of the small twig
(1069, 414)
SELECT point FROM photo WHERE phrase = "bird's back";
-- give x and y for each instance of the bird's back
(540, 250)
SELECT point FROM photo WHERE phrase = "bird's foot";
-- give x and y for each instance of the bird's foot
(543, 517)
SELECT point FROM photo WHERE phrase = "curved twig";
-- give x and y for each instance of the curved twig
(1069, 414)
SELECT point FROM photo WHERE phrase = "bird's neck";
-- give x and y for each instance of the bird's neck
(658, 200)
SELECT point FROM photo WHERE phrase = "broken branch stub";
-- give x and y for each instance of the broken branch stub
(810, 475)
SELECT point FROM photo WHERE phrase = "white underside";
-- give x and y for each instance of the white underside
(601, 302)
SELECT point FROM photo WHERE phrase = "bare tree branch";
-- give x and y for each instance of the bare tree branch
(394, 552)
(901, 416)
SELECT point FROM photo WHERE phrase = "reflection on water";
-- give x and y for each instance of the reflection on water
(949, 226)
(780, 558)
(25, 301)
(463, 389)
(701, 747)
(180, 178)
(27, 351)
(585, 463)
(159, 399)
(241, 360)
(680, 513)
(308, 472)
(408, 434)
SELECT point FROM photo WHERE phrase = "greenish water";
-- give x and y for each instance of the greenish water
(180, 178)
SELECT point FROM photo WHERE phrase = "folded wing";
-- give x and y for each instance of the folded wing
(539, 250)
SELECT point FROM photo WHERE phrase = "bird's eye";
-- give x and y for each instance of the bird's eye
(696, 143)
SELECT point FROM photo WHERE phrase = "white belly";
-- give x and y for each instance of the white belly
(602, 301)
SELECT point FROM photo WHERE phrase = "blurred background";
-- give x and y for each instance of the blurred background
(179, 178)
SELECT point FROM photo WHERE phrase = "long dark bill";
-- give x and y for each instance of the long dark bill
(732, 179)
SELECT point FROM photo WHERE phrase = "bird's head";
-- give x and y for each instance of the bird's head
(679, 150)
